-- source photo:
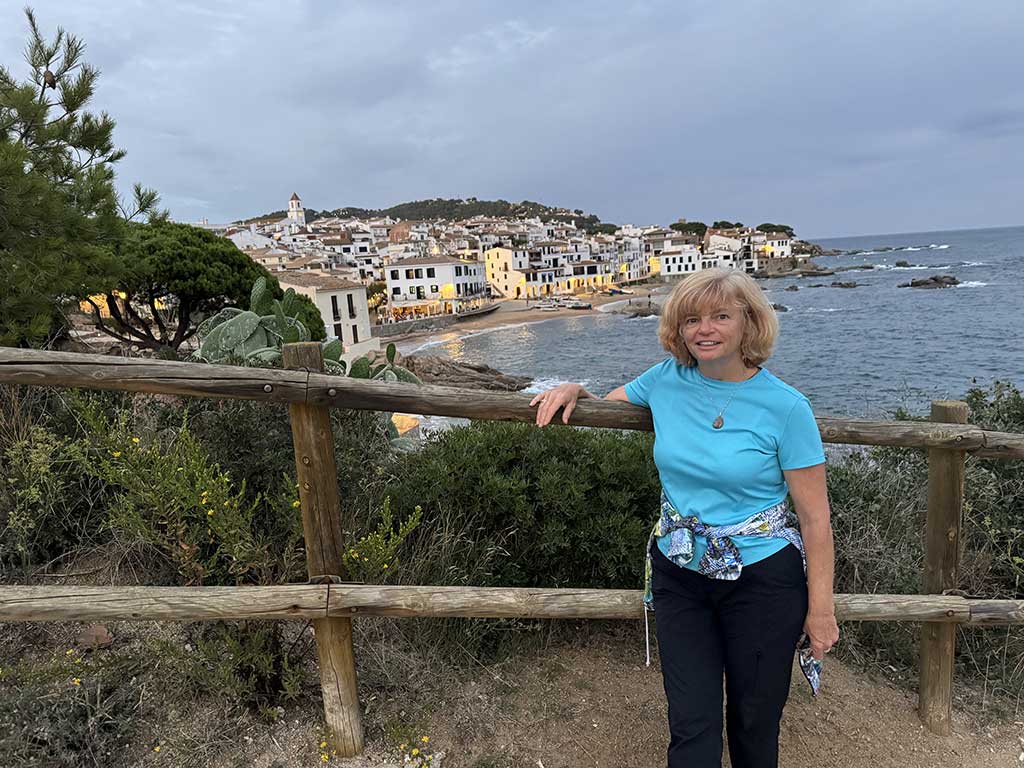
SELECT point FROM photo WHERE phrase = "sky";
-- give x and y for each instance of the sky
(837, 118)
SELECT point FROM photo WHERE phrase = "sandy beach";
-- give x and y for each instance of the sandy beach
(518, 311)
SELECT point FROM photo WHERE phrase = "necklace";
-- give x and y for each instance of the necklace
(719, 422)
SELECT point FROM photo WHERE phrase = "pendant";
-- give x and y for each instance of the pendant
(717, 423)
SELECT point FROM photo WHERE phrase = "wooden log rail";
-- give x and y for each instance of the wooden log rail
(321, 601)
(69, 369)
(331, 606)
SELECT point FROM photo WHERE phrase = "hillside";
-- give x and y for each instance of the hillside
(454, 209)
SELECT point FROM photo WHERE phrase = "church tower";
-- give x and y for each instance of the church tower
(296, 213)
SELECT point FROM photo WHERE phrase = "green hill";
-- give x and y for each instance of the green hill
(455, 209)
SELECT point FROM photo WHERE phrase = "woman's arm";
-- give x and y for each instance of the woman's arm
(810, 496)
(565, 396)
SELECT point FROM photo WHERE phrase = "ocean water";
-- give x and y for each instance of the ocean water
(860, 352)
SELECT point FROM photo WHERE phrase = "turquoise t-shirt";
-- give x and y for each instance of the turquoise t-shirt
(723, 476)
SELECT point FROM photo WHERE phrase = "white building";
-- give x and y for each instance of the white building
(342, 306)
(434, 285)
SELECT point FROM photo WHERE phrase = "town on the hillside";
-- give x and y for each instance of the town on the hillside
(460, 268)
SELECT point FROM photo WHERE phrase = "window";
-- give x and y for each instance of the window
(355, 334)
(419, 274)
(334, 307)
(337, 330)
(351, 307)
(408, 274)
(396, 291)
(433, 289)
(394, 274)
(430, 272)
(458, 271)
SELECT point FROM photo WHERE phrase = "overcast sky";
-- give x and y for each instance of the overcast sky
(837, 117)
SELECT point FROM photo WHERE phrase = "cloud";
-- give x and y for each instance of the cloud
(832, 118)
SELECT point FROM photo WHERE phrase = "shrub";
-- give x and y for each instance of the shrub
(512, 505)
(67, 711)
(879, 506)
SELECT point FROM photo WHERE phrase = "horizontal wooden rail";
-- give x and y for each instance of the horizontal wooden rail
(69, 369)
(317, 601)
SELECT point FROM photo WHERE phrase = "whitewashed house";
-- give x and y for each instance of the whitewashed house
(342, 306)
(433, 285)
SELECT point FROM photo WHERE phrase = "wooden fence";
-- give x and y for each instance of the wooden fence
(331, 604)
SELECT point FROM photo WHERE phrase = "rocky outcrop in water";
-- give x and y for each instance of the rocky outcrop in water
(780, 307)
(433, 369)
(841, 284)
(935, 281)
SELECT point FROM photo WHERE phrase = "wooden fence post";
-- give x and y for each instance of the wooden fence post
(321, 525)
(942, 559)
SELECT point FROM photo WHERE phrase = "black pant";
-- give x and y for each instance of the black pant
(748, 629)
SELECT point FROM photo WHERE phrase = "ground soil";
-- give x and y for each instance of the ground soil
(595, 704)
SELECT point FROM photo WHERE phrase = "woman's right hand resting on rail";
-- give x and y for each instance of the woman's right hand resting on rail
(565, 396)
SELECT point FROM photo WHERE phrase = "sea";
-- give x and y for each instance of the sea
(860, 352)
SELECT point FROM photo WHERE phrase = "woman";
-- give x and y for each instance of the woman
(735, 585)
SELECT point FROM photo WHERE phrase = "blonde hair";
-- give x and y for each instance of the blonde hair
(711, 289)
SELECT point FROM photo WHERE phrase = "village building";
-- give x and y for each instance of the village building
(434, 285)
(342, 306)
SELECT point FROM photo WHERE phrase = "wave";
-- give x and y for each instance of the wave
(971, 284)
(540, 385)
(812, 310)
(911, 248)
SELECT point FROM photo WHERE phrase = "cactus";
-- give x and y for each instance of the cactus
(255, 337)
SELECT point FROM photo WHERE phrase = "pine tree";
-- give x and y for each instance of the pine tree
(60, 217)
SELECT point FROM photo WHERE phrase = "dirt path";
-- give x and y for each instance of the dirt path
(597, 705)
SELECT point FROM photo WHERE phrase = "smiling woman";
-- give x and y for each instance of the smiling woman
(738, 579)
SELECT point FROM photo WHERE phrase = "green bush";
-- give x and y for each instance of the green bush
(69, 711)
(879, 509)
(512, 505)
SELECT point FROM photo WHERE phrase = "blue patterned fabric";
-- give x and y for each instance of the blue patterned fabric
(722, 559)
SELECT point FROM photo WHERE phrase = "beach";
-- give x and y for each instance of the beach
(519, 312)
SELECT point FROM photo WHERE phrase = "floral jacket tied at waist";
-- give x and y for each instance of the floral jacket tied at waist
(722, 560)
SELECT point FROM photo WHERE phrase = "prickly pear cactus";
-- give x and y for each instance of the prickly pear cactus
(255, 337)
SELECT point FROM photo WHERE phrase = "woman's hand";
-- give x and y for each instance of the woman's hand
(563, 396)
(823, 632)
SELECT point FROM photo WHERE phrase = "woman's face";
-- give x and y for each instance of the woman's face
(715, 334)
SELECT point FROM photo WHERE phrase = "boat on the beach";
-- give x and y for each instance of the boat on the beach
(548, 306)
(577, 304)
(477, 311)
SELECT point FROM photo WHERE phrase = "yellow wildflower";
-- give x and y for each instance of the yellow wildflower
(76, 681)
(69, 652)
(323, 744)
(116, 454)
(227, 503)
(402, 747)
(323, 757)
(156, 748)
(424, 739)
(296, 503)
(414, 752)
(209, 513)
(385, 566)
(135, 440)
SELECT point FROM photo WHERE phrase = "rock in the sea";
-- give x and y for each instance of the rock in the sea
(855, 266)
(841, 284)
(902, 263)
(935, 281)
(816, 272)
(780, 307)
(432, 369)
(792, 288)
